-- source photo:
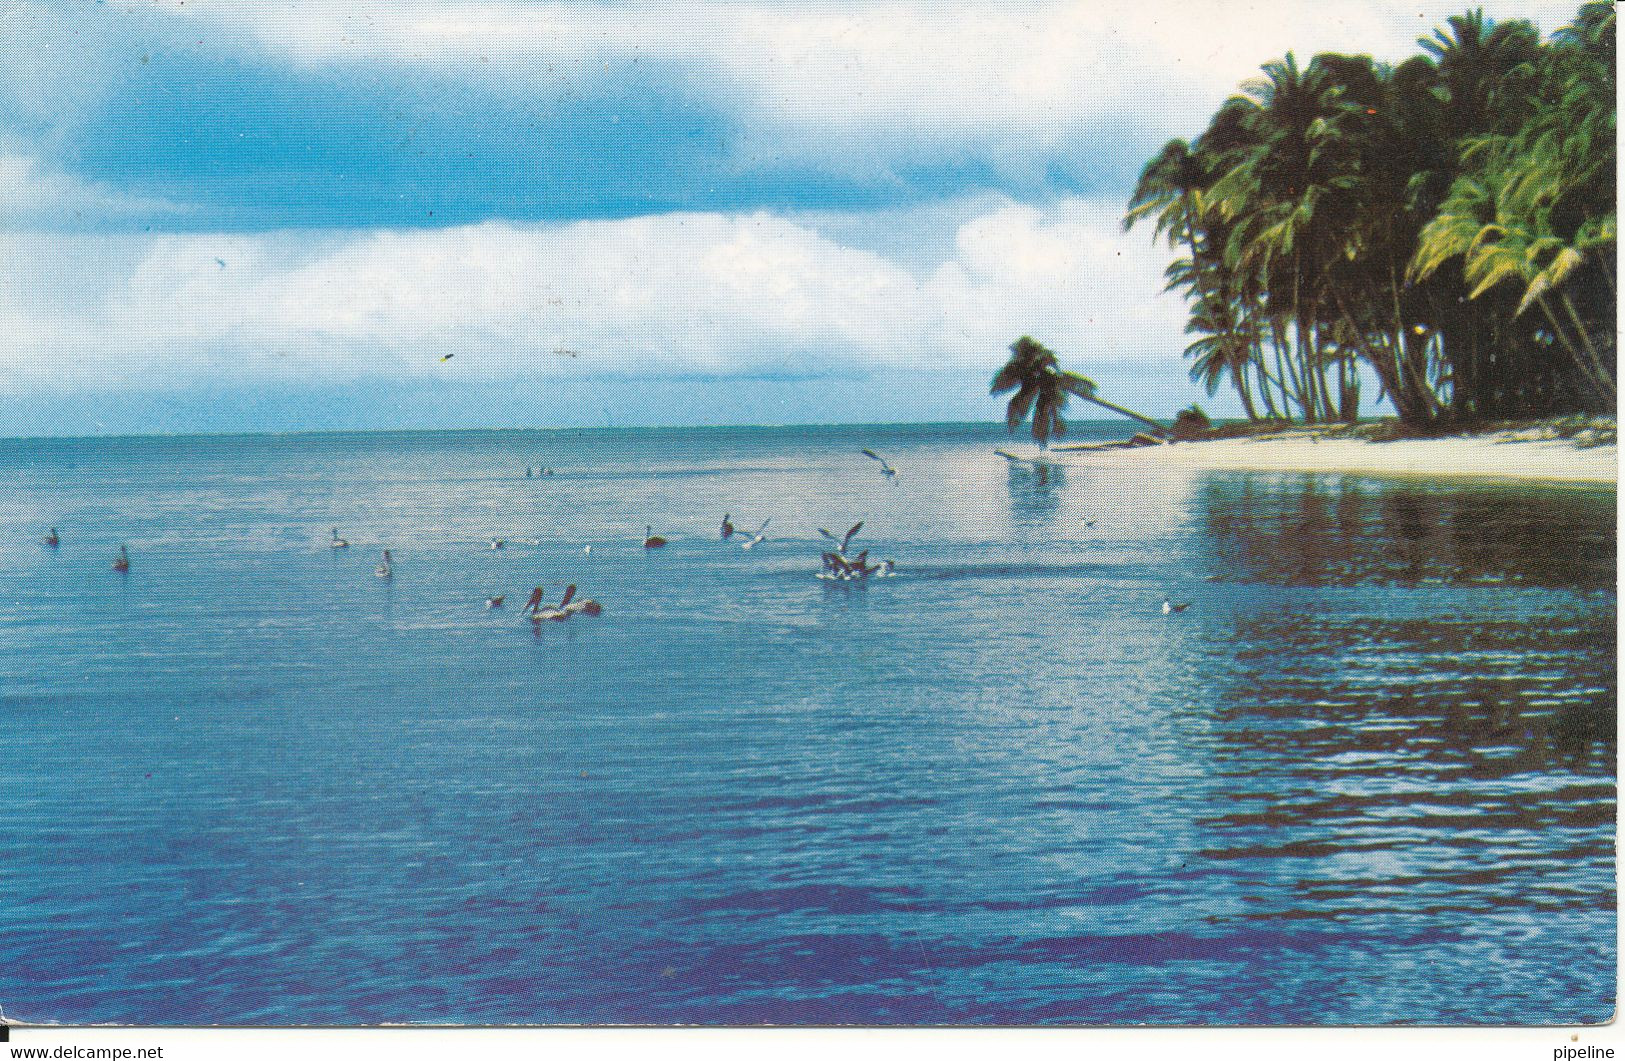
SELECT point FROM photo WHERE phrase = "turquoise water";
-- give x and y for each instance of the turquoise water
(1367, 777)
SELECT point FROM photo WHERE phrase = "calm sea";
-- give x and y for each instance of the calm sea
(1367, 777)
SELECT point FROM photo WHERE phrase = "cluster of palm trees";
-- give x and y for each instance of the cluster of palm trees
(1448, 222)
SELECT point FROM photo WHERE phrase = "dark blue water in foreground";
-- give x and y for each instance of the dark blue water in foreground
(1367, 777)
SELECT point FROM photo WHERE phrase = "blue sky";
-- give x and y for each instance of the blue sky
(279, 216)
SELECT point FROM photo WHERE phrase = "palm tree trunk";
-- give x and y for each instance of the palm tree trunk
(1104, 404)
(1601, 370)
(1574, 351)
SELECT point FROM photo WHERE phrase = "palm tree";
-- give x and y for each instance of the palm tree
(1042, 389)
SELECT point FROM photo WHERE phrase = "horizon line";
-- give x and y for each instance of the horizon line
(495, 430)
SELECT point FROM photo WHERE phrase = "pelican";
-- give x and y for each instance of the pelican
(583, 606)
(1169, 607)
(846, 539)
(758, 537)
(651, 540)
(336, 542)
(727, 528)
(122, 564)
(885, 469)
(536, 611)
(494, 602)
(383, 570)
(52, 540)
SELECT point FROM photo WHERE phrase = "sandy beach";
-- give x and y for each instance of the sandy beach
(1491, 455)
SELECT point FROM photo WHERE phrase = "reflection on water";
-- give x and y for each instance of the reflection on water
(1035, 492)
(1335, 530)
(1413, 744)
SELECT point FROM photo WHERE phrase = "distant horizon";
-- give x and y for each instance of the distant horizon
(1020, 435)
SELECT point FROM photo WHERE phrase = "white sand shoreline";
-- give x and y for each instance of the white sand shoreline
(1485, 456)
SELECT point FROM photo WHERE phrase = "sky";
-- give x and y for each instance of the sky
(282, 215)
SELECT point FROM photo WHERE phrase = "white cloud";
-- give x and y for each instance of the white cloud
(677, 294)
(908, 76)
(34, 194)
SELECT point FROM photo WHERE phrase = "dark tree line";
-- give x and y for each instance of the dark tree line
(1448, 222)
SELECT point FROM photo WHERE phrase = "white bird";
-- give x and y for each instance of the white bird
(846, 539)
(384, 570)
(1169, 607)
(885, 469)
(336, 542)
(759, 536)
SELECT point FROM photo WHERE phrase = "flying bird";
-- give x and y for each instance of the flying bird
(885, 469)
(220, 262)
(447, 357)
(846, 539)
(758, 537)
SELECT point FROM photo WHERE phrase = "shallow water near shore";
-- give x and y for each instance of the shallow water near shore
(1368, 776)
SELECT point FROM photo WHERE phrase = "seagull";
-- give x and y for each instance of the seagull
(494, 602)
(885, 469)
(337, 542)
(122, 564)
(758, 537)
(727, 528)
(1169, 607)
(651, 540)
(383, 570)
(844, 541)
(52, 540)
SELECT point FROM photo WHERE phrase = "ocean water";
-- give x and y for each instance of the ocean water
(1368, 776)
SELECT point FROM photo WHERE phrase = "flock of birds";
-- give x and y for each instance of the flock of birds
(838, 564)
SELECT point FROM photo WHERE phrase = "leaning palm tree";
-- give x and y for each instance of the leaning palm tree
(1042, 389)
